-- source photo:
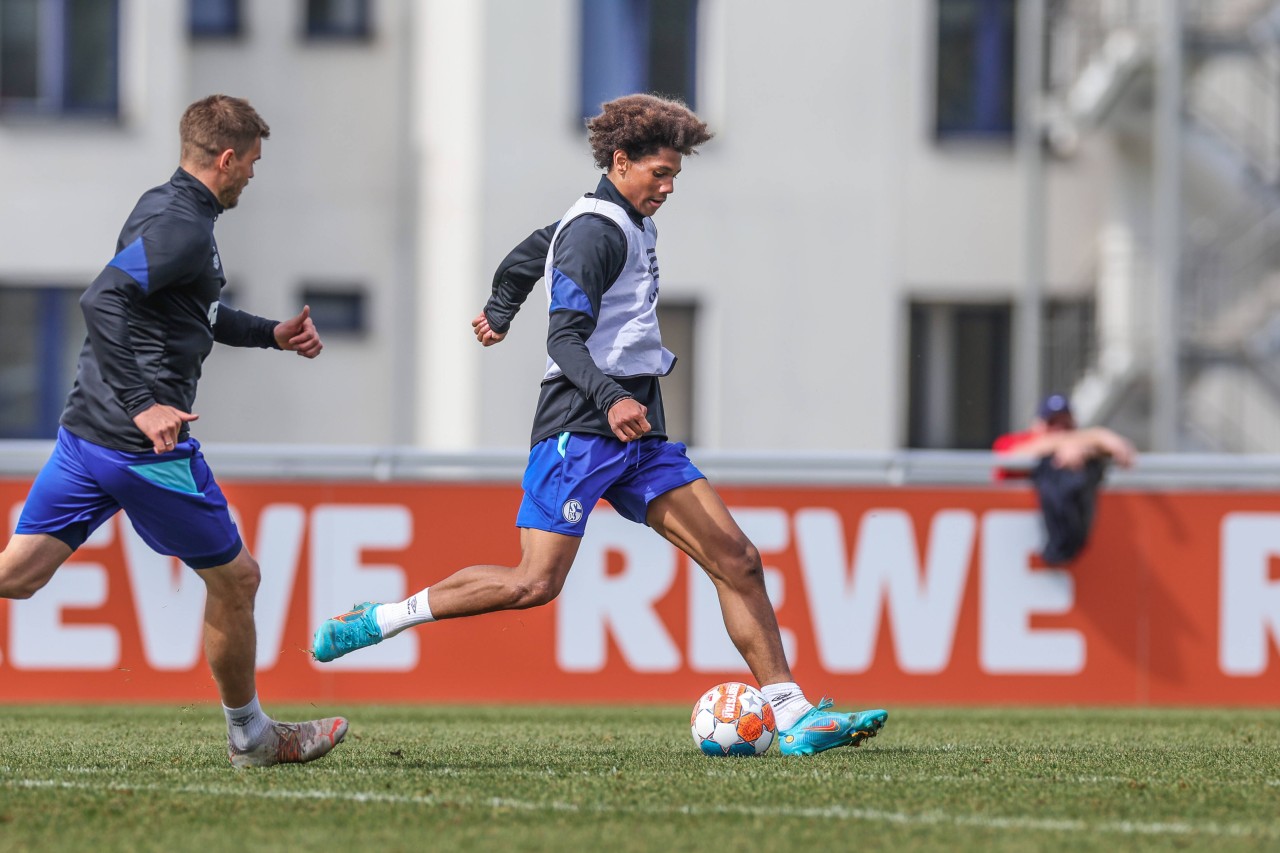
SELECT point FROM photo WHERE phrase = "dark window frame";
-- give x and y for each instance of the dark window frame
(330, 301)
(316, 28)
(234, 28)
(58, 333)
(975, 70)
(940, 364)
(680, 388)
(56, 70)
(622, 42)
(966, 346)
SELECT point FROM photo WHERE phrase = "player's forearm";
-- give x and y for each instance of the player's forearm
(242, 329)
(516, 277)
(568, 349)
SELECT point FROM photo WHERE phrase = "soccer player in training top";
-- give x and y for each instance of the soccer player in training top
(153, 316)
(599, 429)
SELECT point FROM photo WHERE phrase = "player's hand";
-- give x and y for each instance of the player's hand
(162, 424)
(299, 335)
(627, 419)
(484, 332)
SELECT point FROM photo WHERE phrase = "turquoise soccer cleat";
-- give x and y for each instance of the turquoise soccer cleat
(355, 629)
(821, 729)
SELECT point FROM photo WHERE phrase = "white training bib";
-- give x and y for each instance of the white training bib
(626, 340)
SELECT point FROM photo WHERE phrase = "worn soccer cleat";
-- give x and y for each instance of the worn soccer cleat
(821, 729)
(292, 743)
(355, 629)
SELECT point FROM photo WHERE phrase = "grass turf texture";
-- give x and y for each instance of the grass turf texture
(555, 778)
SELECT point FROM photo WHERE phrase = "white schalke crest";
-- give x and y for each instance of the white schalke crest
(572, 510)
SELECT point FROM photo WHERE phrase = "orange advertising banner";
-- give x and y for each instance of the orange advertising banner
(910, 595)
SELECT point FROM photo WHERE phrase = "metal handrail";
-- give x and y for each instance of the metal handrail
(285, 463)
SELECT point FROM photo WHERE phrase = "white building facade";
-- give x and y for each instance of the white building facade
(841, 265)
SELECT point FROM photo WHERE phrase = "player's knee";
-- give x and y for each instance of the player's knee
(741, 566)
(239, 581)
(15, 582)
(249, 578)
(17, 587)
(533, 593)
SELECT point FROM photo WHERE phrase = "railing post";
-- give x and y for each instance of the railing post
(1029, 315)
(1166, 335)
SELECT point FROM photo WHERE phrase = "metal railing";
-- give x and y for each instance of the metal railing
(283, 463)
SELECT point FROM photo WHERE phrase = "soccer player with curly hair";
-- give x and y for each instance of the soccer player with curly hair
(599, 430)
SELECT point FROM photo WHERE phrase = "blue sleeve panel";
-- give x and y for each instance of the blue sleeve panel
(568, 295)
(132, 260)
(588, 257)
(590, 252)
(168, 252)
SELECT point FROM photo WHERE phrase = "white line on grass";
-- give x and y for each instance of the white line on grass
(715, 766)
(1122, 827)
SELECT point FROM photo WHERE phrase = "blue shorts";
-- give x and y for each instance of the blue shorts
(569, 473)
(171, 499)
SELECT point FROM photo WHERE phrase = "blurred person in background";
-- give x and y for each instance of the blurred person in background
(153, 316)
(599, 429)
(1069, 464)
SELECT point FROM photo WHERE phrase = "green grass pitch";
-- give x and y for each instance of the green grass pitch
(518, 778)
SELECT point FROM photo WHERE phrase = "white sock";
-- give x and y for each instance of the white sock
(394, 618)
(788, 702)
(247, 726)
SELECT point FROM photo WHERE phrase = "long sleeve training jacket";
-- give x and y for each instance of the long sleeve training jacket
(153, 316)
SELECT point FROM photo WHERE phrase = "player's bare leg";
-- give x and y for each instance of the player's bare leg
(230, 635)
(230, 645)
(695, 520)
(28, 562)
(545, 560)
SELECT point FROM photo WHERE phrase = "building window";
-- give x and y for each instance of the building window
(631, 46)
(959, 378)
(338, 19)
(960, 371)
(679, 324)
(213, 19)
(975, 77)
(41, 333)
(59, 57)
(338, 310)
(1069, 343)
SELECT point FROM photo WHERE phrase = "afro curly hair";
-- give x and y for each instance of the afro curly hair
(641, 125)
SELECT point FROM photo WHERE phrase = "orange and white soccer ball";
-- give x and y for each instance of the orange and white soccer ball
(733, 719)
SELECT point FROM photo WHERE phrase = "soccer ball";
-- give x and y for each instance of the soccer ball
(733, 719)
